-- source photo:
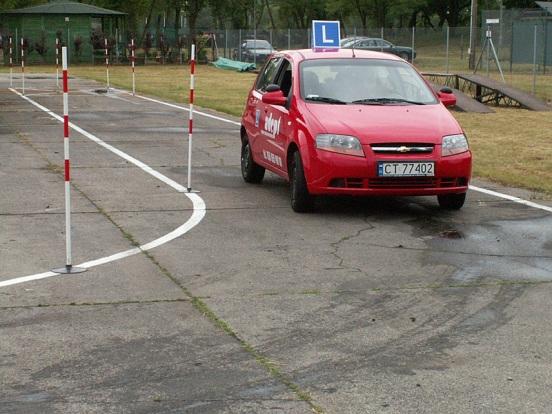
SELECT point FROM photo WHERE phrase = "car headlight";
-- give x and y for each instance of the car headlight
(454, 144)
(343, 144)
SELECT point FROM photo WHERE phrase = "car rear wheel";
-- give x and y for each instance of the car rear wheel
(405, 56)
(251, 171)
(452, 201)
(301, 200)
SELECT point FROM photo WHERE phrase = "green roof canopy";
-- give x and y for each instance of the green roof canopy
(546, 5)
(65, 8)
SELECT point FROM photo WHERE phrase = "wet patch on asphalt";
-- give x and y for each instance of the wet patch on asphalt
(504, 250)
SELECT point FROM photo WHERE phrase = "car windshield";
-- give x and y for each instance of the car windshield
(258, 44)
(350, 41)
(363, 81)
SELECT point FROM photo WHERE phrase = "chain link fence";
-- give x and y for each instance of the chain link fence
(436, 49)
(523, 48)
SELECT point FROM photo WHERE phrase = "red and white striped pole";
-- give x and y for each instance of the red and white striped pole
(106, 63)
(11, 63)
(191, 116)
(132, 59)
(22, 68)
(57, 62)
(69, 261)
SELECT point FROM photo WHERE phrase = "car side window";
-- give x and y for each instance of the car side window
(285, 78)
(268, 74)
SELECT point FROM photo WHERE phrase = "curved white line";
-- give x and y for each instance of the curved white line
(197, 202)
(197, 216)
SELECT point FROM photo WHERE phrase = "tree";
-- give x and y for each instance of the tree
(77, 47)
(192, 9)
(519, 4)
(454, 12)
(41, 46)
(300, 13)
(406, 12)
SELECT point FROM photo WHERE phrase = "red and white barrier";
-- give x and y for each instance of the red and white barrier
(57, 62)
(191, 116)
(22, 68)
(106, 63)
(11, 63)
(132, 59)
(68, 253)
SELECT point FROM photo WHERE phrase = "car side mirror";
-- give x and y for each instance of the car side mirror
(274, 96)
(446, 96)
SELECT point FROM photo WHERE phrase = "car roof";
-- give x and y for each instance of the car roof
(306, 54)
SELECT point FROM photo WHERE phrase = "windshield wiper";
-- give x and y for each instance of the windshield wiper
(325, 100)
(381, 101)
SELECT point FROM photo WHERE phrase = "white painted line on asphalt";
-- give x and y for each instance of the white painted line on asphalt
(23, 279)
(511, 198)
(185, 108)
(197, 215)
(111, 148)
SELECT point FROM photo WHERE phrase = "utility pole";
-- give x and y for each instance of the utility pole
(474, 33)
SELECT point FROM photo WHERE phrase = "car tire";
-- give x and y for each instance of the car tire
(301, 200)
(251, 171)
(405, 56)
(452, 201)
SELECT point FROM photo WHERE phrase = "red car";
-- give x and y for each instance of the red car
(353, 122)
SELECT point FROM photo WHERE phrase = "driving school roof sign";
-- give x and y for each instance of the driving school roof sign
(325, 34)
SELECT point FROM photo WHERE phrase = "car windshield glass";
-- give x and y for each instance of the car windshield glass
(349, 42)
(361, 81)
(258, 44)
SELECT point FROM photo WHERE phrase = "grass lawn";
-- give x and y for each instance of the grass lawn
(511, 147)
(173, 83)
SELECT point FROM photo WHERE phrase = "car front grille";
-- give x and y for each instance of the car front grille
(400, 148)
(403, 182)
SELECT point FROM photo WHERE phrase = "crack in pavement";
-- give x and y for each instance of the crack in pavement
(336, 247)
(84, 304)
(159, 400)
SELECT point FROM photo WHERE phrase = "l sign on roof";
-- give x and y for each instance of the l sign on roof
(325, 34)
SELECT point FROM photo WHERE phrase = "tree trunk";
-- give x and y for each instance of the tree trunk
(148, 21)
(260, 16)
(272, 24)
(413, 19)
(176, 21)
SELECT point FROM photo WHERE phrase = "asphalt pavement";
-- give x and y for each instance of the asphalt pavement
(376, 305)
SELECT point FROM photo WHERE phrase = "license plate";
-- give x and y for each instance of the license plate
(406, 169)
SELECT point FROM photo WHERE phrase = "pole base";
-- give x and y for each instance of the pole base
(68, 269)
(189, 190)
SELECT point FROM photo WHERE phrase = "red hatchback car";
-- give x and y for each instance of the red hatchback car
(353, 122)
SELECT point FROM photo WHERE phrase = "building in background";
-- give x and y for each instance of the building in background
(81, 28)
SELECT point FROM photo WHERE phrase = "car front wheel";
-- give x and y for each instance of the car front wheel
(452, 201)
(251, 171)
(301, 200)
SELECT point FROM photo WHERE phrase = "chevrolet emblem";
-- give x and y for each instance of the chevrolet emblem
(404, 149)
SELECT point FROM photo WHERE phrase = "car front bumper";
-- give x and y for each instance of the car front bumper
(331, 173)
